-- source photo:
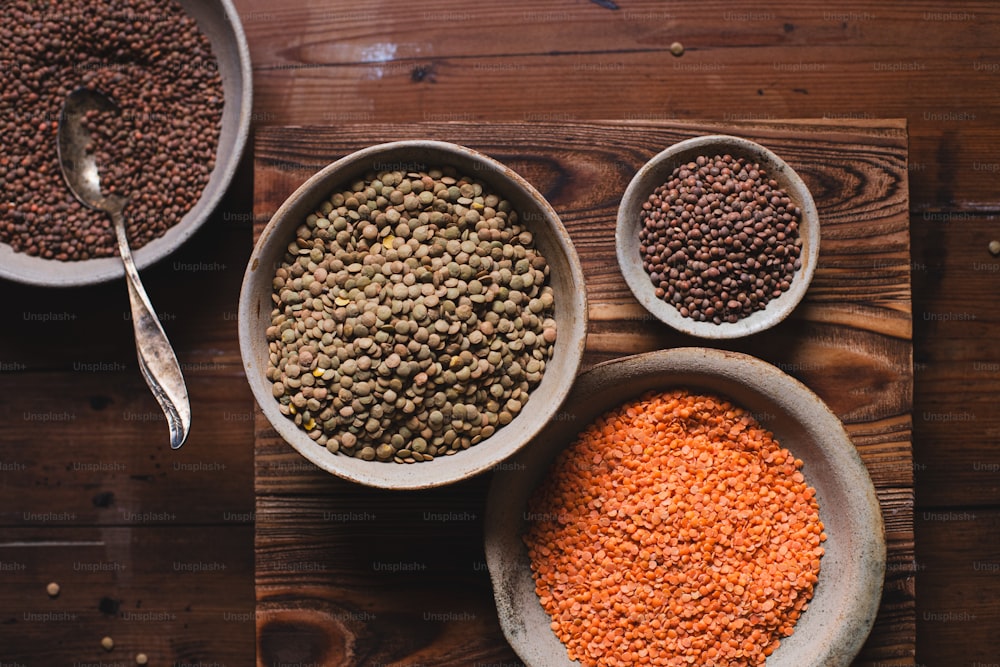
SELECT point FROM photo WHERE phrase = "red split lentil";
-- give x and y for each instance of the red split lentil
(675, 530)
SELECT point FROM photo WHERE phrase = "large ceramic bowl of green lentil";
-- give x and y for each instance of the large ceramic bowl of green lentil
(687, 506)
(718, 237)
(412, 315)
(179, 72)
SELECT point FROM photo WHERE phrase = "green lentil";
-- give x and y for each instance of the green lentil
(411, 317)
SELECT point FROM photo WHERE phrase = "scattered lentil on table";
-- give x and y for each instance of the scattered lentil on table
(412, 317)
(153, 61)
(674, 530)
(720, 239)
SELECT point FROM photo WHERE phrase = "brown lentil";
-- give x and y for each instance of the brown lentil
(416, 344)
(149, 57)
(720, 239)
(674, 531)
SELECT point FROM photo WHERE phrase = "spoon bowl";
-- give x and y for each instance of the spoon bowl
(79, 167)
(157, 360)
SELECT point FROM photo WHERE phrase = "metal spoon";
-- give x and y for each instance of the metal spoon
(157, 360)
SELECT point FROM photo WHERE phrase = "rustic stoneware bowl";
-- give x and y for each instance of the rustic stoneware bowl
(846, 598)
(566, 278)
(653, 174)
(219, 21)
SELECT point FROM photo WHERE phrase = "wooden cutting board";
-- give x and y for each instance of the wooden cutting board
(353, 576)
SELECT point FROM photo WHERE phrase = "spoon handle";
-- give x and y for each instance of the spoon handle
(157, 360)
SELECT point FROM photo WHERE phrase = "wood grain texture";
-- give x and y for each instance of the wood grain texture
(114, 465)
(934, 65)
(336, 63)
(957, 566)
(163, 591)
(152, 547)
(850, 341)
(81, 435)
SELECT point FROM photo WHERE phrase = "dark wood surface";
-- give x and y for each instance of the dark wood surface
(87, 480)
(849, 341)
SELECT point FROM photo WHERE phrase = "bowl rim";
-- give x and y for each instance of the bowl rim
(40, 272)
(572, 334)
(653, 173)
(838, 640)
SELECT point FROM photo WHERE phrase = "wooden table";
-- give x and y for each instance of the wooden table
(156, 548)
(849, 340)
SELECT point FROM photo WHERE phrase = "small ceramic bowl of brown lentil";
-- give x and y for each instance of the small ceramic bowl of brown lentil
(178, 71)
(690, 506)
(412, 315)
(718, 237)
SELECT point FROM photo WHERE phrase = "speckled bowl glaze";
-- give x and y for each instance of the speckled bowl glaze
(220, 22)
(566, 279)
(846, 598)
(653, 174)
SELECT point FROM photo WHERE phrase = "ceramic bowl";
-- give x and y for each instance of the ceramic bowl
(566, 277)
(656, 172)
(846, 598)
(219, 21)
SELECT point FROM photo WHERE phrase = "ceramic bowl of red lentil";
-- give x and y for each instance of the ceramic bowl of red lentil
(686, 506)
(412, 315)
(718, 237)
(179, 70)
